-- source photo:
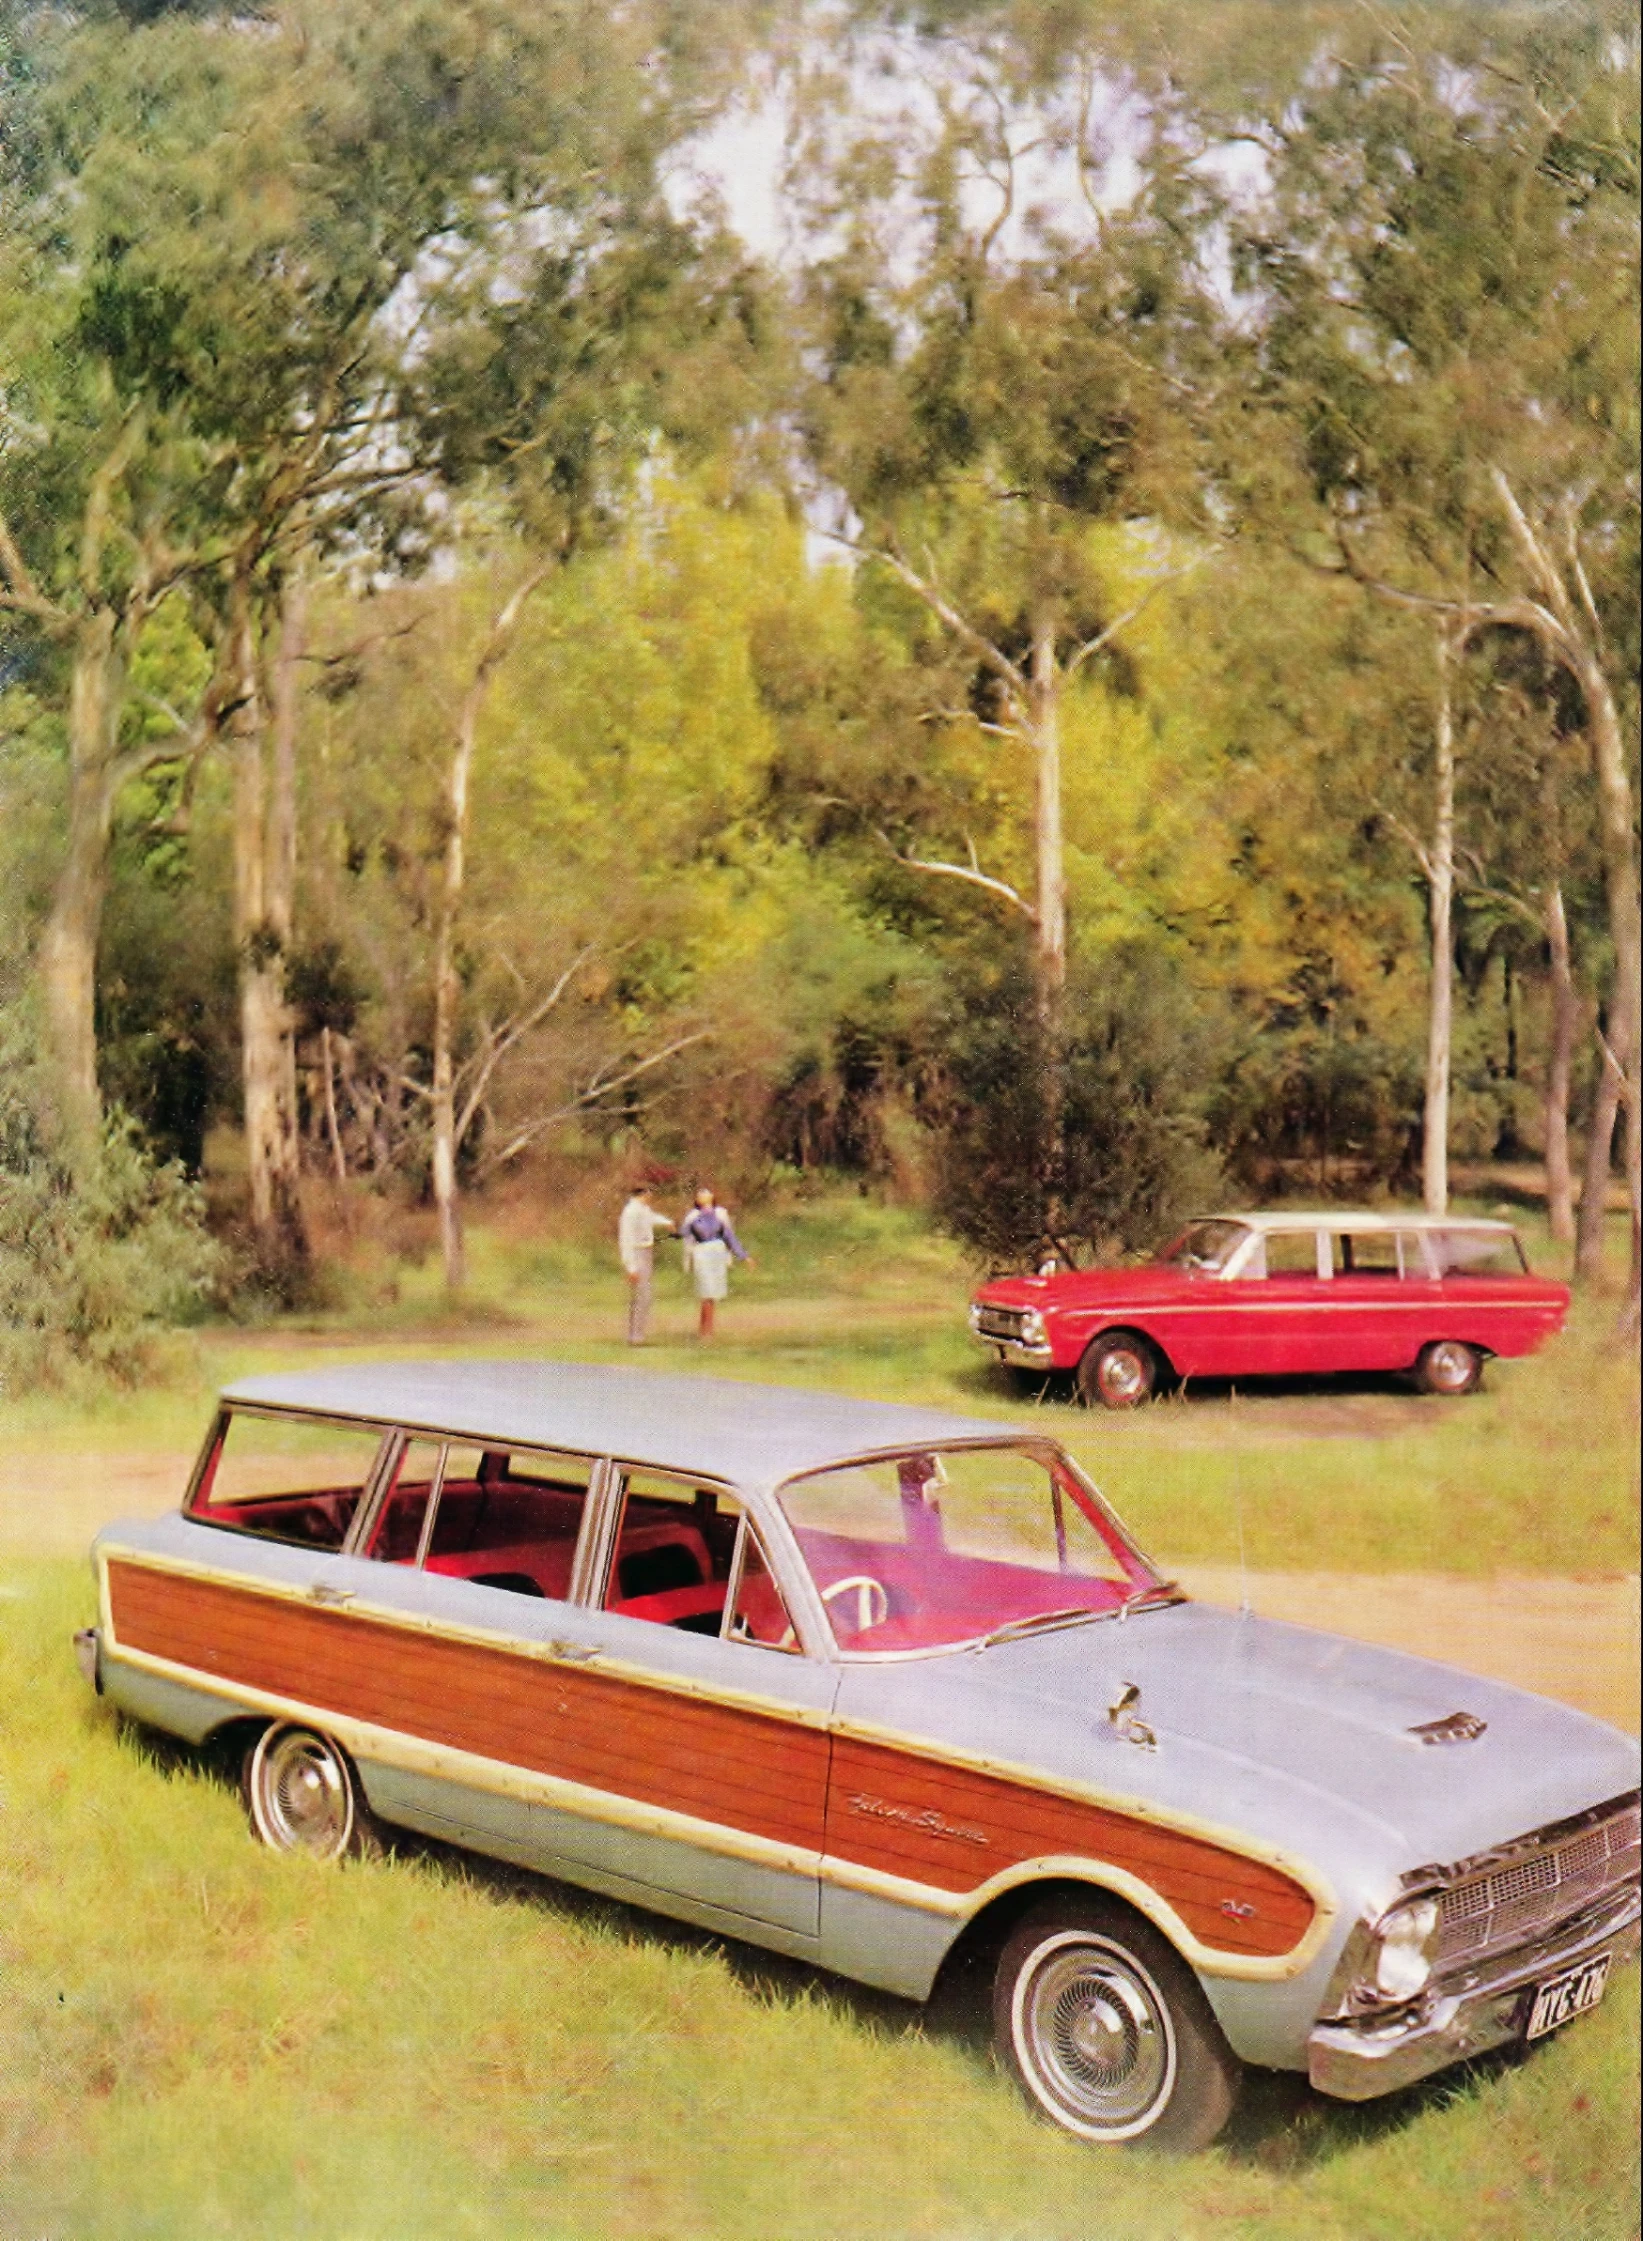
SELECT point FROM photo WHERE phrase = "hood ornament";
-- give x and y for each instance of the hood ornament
(1121, 1718)
(1455, 1727)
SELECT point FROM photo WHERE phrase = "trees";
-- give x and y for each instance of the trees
(97, 473)
(248, 237)
(995, 384)
(1449, 265)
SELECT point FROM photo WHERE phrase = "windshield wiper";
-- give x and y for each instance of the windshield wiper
(1159, 1593)
(1038, 1622)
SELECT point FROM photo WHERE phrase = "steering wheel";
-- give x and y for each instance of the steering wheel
(872, 1605)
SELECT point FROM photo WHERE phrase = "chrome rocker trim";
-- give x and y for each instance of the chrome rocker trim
(1357, 2061)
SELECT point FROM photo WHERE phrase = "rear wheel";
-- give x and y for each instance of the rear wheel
(303, 1795)
(1118, 1371)
(1448, 1365)
(1107, 2032)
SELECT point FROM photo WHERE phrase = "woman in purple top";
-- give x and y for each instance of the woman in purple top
(711, 1244)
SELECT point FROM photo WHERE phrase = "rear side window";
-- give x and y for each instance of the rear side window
(1376, 1252)
(502, 1517)
(1472, 1252)
(286, 1479)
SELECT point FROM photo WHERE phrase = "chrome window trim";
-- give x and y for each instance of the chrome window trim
(371, 1487)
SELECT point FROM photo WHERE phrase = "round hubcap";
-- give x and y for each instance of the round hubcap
(1450, 1366)
(1123, 1376)
(304, 1795)
(1096, 2038)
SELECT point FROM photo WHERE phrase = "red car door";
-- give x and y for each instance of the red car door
(1271, 1320)
(1378, 1296)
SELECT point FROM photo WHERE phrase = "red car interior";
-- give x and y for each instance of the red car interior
(938, 1596)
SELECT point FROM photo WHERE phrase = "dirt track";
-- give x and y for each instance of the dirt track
(1576, 1640)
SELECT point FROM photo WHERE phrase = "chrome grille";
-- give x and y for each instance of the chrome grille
(999, 1322)
(1515, 1901)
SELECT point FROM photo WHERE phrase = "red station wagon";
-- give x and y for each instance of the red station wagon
(1281, 1295)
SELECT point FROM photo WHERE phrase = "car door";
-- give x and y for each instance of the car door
(458, 1584)
(1379, 1295)
(1271, 1317)
(701, 1723)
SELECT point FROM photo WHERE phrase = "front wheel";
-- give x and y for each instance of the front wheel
(1117, 1372)
(1449, 1366)
(303, 1796)
(1107, 2032)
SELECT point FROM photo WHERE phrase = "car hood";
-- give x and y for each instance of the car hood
(1298, 1738)
(1092, 1286)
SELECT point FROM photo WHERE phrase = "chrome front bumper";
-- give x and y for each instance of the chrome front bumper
(1357, 2060)
(1015, 1354)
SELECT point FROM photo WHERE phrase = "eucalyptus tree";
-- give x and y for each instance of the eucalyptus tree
(564, 361)
(1011, 358)
(1448, 268)
(258, 231)
(99, 475)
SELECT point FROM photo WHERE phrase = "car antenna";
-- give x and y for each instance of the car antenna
(1238, 1503)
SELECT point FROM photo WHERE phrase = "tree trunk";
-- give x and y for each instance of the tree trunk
(1564, 619)
(447, 983)
(1595, 1170)
(68, 945)
(1050, 941)
(1560, 1205)
(333, 1132)
(264, 860)
(1620, 884)
(1440, 874)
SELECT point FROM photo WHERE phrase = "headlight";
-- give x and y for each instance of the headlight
(1032, 1329)
(1404, 1942)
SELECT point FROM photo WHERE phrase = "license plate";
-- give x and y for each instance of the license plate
(1570, 1994)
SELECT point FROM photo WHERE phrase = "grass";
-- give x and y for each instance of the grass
(199, 2039)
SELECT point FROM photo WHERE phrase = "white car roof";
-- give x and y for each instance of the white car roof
(750, 1435)
(1347, 1218)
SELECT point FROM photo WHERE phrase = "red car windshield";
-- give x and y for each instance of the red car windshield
(931, 1550)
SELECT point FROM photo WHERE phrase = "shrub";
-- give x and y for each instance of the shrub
(1133, 1159)
(93, 1266)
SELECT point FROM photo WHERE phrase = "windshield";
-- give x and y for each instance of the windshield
(929, 1550)
(1204, 1245)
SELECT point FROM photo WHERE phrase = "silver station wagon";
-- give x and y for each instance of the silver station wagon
(873, 1686)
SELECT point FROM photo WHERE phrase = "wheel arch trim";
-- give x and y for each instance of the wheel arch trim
(1016, 1889)
(1099, 1332)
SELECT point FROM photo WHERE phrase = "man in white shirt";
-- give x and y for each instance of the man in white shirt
(636, 1245)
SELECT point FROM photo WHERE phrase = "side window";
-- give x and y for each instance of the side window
(406, 1515)
(758, 1613)
(286, 1478)
(1462, 1252)
(1292, 1252)
(674, 1545)
(509, 1518)
(1367, 1253)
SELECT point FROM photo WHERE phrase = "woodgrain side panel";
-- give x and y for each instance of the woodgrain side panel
(745, 1770)
(956, 1828)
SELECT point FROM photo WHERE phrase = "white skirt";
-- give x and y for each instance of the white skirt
(710, 1268)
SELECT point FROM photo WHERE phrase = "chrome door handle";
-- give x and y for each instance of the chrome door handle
(323, 1592)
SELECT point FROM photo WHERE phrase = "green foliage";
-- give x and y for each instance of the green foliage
(93, 1267)
(1135, 1159)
